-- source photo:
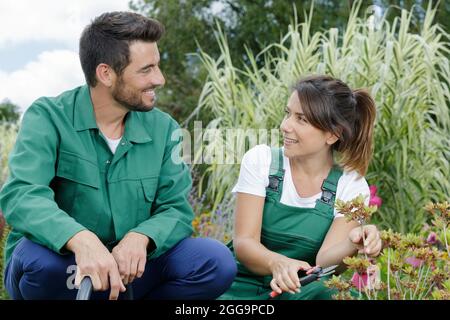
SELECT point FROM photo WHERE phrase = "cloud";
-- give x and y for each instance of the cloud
(53, 20)
(50, 74)
(24, 23)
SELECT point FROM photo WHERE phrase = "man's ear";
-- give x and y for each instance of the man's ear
(105, 74)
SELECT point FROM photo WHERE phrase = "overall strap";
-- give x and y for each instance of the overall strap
(276, 173)
(329, 186)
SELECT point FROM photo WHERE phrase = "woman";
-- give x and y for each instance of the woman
(285, 219)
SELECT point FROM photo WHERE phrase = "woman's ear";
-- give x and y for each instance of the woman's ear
(332, 138)
(105, 74)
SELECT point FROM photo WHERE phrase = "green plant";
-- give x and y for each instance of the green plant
(407, 73)
(3, 294)
(8, 133)
(411, 266)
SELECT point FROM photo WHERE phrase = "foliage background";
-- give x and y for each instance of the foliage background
(252, 24)
(233, 69)
(406, 72)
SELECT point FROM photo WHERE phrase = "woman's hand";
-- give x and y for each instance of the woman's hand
(372, 244)
(284, 272)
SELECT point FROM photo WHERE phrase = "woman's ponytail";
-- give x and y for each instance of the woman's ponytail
(359, 150)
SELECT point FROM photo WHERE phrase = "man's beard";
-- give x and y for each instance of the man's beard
(132, 100)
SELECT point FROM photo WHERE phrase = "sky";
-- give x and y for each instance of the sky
(39, 45)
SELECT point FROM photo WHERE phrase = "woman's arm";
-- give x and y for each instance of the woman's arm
(256, 257)
(247, 235)
(345, 239)
(337, 244)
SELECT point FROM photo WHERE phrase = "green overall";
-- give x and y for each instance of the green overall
(295, 232)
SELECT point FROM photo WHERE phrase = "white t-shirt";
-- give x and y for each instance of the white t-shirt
(254, 178)
(112, 143)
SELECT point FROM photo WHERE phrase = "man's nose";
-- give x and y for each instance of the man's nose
(158, 79)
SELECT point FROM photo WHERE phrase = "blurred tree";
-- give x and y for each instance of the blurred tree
(9, 112)
(251, 23)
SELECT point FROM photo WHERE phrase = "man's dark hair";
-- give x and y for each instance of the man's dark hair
(108, 37)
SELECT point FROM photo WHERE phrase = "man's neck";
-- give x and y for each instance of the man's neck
(109, 115)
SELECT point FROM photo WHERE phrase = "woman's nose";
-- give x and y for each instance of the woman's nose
(285, 127)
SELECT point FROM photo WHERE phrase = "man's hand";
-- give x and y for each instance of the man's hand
(94, 260)
(131, 256)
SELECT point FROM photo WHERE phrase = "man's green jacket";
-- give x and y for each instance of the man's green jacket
(64, 178)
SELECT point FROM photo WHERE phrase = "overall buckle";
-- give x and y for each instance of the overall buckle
(327, 195)
(274, 182)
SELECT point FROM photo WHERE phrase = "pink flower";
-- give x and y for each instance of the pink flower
(359, 280)
(416, 263)
(432, 238)
(373, 281)
(373, 189)
(374, 199)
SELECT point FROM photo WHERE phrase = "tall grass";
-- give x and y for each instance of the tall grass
(407, 74)
(8, 133)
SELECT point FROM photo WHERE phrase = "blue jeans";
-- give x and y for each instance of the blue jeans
(195, 268)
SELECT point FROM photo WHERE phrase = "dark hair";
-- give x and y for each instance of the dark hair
(330, 105)
(108, 37)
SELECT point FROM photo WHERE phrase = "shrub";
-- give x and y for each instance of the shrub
(410, 267)
(408, 75)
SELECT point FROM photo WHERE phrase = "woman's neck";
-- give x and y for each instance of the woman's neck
(311, 166)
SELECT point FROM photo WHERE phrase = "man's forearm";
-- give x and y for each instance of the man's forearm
(81, 240)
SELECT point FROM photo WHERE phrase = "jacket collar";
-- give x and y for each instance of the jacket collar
(84, 118)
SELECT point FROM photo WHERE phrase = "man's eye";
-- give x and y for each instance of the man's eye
(148, 69)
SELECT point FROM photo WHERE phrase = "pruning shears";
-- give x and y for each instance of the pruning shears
(318, 273)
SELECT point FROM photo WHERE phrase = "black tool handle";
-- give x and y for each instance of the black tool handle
(85, 290)
(308, 279)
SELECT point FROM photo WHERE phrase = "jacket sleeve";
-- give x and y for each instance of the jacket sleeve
(172, 215)
(26, 198)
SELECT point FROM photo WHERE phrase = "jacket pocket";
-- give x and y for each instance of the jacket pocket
(78, 170)
(146, 196)
(77, 189)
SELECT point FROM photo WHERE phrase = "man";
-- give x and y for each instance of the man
(93, 183)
